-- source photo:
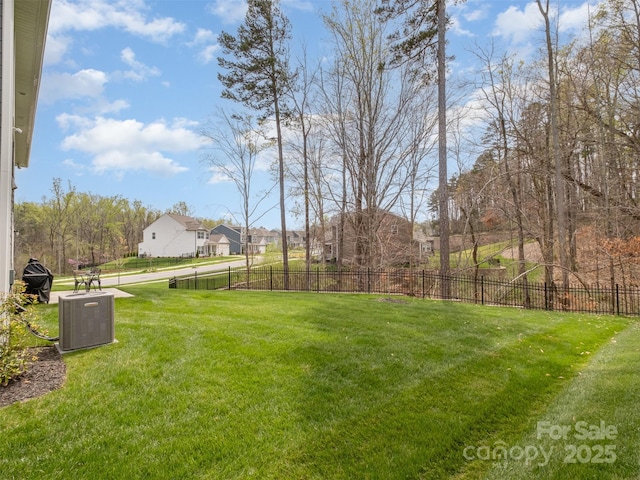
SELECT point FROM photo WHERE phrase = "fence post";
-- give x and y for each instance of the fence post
(229, 277)
(482, 289)
(368, 280)
(318, 280)
(271, 277)
(617, 300)
(423, 283)
(195, 275)
(546, 297)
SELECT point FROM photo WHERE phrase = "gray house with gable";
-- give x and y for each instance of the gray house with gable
(233, 234)
(259, 238)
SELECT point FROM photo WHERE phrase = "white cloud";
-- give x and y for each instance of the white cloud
(185, 123)
(476, 14)
(130, 145)
(67, 121)
(517, 25)
(219, 175)
(470, 11)
(128, 15)
(139, 71)
(104, 107)
(55, 48)
(575, 19)
(208, 54)
(299, 4)
(77, 167)
(205, 40)
(456, 27)
(97, 14)
(234, 11)
(85, 83)
(229, 11)
(121, 161)
(203, 36)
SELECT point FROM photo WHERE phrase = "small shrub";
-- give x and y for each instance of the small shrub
(13, 333)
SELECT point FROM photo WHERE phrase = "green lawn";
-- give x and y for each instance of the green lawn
(235, 385)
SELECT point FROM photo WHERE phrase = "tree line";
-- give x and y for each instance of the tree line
(70, 228)
(560, 150)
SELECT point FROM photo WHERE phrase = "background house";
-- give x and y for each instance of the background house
(259, 238)
(174, 235)
(389, 241)
(295, 239)
(233, 235)
(23, 33)
(218, 244)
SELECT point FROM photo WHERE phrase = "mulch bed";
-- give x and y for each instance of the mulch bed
(43, 375)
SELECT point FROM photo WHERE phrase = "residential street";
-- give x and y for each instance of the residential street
(110, 283)
(165, 274)
(115, 280)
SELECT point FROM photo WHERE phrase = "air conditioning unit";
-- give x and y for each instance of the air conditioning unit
(85, 320)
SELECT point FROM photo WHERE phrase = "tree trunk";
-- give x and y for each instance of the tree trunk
(560, 193)
(445, 269)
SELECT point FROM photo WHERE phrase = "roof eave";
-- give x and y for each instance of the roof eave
(31, 22)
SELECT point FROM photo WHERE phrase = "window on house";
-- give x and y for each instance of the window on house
(153, 235)
(394, 229)
(200, 235)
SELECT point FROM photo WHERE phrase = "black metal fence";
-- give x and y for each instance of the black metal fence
(616, 299)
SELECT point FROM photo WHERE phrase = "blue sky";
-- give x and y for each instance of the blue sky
(128, 85)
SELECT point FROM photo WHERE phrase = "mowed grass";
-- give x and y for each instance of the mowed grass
(236, 385)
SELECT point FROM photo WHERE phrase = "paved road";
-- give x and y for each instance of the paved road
(162, 275)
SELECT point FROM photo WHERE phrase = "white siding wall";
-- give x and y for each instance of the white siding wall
(171, 239)
(7, 88)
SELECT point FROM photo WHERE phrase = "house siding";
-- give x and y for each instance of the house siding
(232, 234)
(23, 28)
(6, 162)
(172, 239)
(391, 246)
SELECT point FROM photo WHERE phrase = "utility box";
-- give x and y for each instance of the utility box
(86, 320)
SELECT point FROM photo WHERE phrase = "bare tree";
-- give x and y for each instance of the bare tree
(59, 217)
(235, 146)
(422, 35)
(303, 97)
(499, 92)
(334, 120)
(557, 160)
(373, 122)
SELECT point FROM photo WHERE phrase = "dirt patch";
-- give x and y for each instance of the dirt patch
(532, 252)
(43, 375)
(392, 300)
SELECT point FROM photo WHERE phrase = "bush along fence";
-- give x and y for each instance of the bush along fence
(616, 299)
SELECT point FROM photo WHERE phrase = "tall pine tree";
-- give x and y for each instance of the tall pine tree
(421, 35)
(258, 76)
